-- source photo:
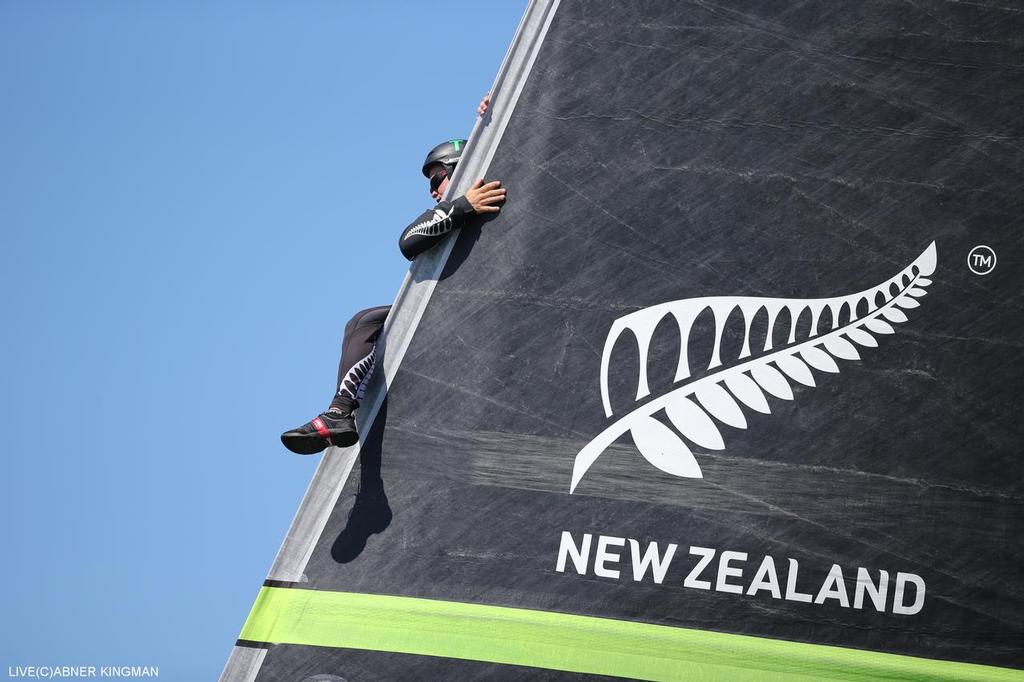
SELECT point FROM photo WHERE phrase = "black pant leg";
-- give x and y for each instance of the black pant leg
(357, 350)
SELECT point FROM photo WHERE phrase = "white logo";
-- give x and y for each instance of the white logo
(691, 406)
(432, 226)
(981, 260)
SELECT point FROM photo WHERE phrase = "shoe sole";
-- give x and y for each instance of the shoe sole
(344, 439)
(312, 443)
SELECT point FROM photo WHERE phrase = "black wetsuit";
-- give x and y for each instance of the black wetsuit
(432, 225)
(358, 346)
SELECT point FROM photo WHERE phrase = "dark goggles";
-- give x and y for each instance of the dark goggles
(437, 178)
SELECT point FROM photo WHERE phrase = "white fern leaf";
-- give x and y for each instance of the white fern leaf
(663, 448)
(694, 423)
(747, 390)
(894, 315)
(858, 335)
(841, 348)
(795, 368)
(820, 360)
(772, 380)
(722, 406)
(879, 326)
(694, 405)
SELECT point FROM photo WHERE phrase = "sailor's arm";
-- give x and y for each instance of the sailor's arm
(434, 224)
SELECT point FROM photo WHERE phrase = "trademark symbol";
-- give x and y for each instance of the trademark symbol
(981, 260)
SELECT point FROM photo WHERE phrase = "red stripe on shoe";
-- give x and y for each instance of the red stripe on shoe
(321, 428)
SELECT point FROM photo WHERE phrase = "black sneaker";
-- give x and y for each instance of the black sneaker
(330, 428)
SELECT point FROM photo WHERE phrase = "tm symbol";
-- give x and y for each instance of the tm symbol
(981, 260)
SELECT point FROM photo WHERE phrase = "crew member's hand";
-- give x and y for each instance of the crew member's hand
(485, 198)
(485, 104)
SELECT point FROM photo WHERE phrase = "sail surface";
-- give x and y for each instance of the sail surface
(730, 387)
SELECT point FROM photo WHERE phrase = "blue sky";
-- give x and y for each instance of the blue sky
(194, 198)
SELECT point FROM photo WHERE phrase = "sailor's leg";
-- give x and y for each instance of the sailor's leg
(336, 426)
(358, 354)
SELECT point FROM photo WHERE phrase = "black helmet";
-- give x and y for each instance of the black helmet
(447, 154)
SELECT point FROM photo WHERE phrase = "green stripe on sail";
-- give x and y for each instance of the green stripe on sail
(560, 641)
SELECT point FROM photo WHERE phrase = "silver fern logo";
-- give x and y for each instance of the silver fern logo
(720, 394)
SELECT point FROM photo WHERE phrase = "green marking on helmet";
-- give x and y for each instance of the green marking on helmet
(457, 143)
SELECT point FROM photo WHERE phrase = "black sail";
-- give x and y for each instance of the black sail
(770, 254)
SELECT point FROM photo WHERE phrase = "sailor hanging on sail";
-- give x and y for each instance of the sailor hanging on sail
(336, 426)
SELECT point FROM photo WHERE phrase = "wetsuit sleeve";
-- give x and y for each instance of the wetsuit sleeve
(432, 226)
